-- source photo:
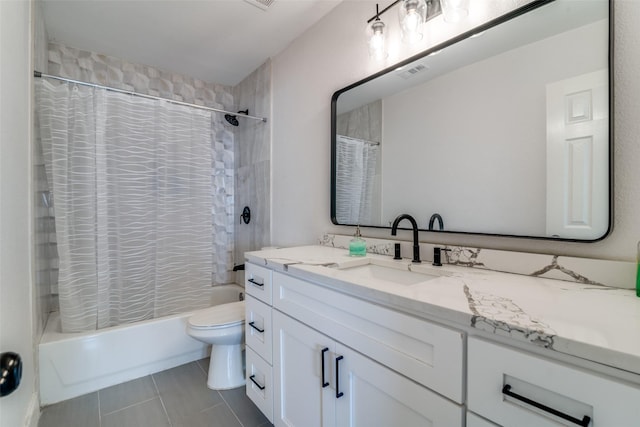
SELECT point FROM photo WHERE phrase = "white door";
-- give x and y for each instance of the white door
(302, 398)
(372, 395)
(578, 156)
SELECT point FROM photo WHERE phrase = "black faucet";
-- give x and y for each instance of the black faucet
(433, 219)
(437, 255)
(414, 225)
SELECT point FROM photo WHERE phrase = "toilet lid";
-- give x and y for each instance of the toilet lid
(218, 315)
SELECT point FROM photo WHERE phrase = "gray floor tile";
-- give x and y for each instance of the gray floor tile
(218, 416)
(204, 365)
(248, 414)
(79, 412)
(139, 403)
(146, 414)
(184, 391)
(122, 395)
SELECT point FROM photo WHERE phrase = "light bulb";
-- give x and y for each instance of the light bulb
(454, 10)
(412, 14)
(377, 40)
(411, 21)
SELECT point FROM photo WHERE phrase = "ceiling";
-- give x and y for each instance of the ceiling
(218, 41)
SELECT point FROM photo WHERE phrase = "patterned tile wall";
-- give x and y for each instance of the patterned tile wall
(115, 72)
(253, 163)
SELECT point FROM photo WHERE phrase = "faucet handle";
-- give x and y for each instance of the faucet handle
(396, 251)
(437, 251)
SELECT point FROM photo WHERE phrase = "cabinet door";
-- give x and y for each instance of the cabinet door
(373, 395)
(298, 358)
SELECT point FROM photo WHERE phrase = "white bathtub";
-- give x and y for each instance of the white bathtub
(75, 364)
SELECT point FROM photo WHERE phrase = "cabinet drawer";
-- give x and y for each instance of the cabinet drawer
(257, 282)
(475, 421)
(571, 391)
(260, 383)
(429, 354)
(258, 329)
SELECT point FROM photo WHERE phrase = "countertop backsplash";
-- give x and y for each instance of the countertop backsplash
(597, 272)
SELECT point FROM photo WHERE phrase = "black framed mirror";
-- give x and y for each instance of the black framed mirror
(503, 130)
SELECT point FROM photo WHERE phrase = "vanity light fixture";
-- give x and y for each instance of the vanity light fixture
(412, 15)
(377, 37)
(455, 10)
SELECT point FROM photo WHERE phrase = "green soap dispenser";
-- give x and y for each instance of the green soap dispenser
(357, 245)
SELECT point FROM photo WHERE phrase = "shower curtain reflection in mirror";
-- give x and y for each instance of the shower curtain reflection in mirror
(356, 163)
(134, 184)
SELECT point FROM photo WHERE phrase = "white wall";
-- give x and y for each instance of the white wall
(16, 300)
(333, 54)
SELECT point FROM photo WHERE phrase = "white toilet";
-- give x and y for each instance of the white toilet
(223, 327)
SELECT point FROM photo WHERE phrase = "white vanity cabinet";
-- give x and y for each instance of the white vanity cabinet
(320, 356)
(320, 382)
(324, 375)
(514, 388)
(258, 338)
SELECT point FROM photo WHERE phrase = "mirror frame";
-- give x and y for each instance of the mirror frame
(488, 25)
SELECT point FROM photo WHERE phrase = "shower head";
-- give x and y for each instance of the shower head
(233, 119)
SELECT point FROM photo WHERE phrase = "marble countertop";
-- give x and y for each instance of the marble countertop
(596, 323)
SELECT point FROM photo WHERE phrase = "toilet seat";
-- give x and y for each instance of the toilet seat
(218, 316)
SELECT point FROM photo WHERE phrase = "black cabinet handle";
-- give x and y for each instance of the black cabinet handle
(255, 283)
(584, 422)
(339, 394)
(324, 350)
(252, 324)
(261, 387)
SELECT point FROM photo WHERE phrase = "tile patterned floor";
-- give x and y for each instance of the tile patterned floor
(178, 397)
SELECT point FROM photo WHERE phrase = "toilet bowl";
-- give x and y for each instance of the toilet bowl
(222, 326)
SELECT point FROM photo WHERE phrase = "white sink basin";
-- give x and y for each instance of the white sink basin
(402, 273)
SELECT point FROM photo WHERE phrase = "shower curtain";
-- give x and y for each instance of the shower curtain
(356, 162)
(132, 182)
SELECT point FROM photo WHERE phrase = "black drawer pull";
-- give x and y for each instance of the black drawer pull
(253, 325)
(339, 394)
(324, 350)
(255, 283)
(584, 422)
(261, 387)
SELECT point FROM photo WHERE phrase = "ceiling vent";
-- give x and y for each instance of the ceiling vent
(408, 73)
(262, 4)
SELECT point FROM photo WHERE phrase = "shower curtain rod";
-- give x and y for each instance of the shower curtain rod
(142, 95)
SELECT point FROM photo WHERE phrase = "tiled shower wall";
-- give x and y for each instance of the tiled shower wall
(253, 162)
(114, 72)
(362, 123)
